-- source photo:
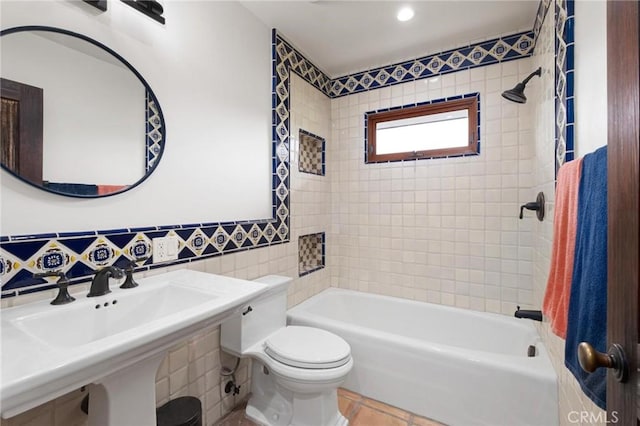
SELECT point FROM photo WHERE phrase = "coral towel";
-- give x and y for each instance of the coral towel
(556, 298)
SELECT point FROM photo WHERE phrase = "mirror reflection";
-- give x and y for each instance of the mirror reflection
(77, 119)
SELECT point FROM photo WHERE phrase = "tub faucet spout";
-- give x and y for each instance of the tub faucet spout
(524, 313)
(100, 283)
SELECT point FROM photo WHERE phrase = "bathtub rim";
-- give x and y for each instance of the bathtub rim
(540, 365)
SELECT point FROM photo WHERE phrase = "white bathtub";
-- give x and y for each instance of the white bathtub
(453, 365)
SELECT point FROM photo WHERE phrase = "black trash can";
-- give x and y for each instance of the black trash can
(183, 411)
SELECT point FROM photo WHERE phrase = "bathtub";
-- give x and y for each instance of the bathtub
(453, 365)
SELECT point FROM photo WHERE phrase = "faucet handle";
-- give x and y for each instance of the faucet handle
(537, 205)
(129, 282)
(63, 296)
(100, 283)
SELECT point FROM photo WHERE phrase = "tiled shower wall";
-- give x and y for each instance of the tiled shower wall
(441, 230)
(193, 367)
(311, 198)
(571, 397)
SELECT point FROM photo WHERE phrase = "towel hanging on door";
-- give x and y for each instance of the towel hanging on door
(587, 318)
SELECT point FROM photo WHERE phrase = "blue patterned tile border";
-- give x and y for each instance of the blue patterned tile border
(540, 16)
(79, 256)
(289, 59)
(434, 101)
(515, 46)
(489, 52)
(564, 81)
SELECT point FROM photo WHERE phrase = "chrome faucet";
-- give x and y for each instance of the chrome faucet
(100, 283)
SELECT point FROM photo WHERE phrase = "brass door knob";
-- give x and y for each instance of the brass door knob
(590, 360)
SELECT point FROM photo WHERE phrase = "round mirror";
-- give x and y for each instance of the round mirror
(77, 118)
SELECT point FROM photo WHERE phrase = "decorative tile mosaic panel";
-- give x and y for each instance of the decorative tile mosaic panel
(312, 153)
(435, 101)
(311, 253)
(565, 101)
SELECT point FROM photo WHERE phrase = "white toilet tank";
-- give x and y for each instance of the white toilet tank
(257, 319)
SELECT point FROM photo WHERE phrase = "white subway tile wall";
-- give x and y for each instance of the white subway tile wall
(571, 397)
(310, 194)
(442, 230)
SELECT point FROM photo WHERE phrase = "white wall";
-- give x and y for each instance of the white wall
(591, 75)
(210, 68)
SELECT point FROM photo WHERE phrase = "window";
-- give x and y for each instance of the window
(441, 128)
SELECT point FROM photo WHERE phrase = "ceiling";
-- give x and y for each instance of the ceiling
(342, 37)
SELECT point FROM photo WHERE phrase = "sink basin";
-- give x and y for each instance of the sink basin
(79, 324)
(114, 342)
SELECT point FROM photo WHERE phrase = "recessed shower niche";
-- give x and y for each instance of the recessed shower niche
(312, 153)
(311, 253)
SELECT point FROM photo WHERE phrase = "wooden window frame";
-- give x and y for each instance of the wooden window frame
(469, 103)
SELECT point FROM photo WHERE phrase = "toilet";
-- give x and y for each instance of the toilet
(296, 370)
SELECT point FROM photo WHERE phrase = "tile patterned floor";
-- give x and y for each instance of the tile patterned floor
(360, 411)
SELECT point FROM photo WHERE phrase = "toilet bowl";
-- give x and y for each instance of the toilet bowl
(296, 370)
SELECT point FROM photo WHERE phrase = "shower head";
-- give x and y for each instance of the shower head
(517, 93)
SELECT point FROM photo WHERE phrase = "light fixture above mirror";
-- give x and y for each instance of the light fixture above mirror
(98, 4)
(153, 9)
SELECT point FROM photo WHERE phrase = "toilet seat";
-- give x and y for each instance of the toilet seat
(307, 347)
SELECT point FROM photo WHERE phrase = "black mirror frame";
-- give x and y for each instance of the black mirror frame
(133, 70)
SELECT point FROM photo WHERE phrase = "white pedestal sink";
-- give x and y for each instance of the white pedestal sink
(127, 397)
(114, 343)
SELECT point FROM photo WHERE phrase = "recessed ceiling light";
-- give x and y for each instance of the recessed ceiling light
(405, 14)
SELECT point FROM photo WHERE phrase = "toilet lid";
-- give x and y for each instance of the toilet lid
(307, 347)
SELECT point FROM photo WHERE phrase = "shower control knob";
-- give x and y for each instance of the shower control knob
(590, 360)
(537, 205)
